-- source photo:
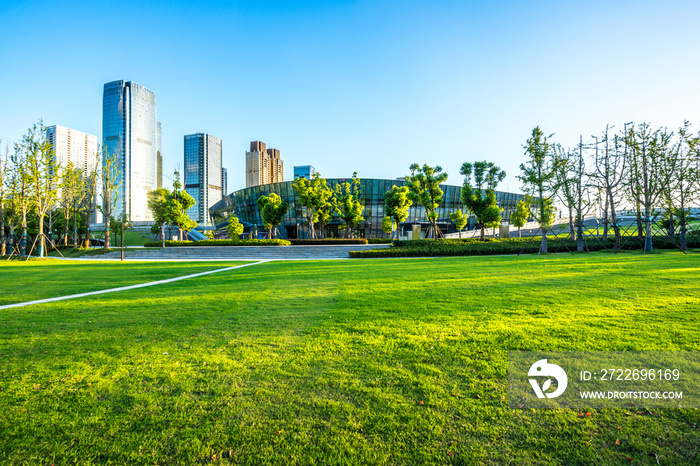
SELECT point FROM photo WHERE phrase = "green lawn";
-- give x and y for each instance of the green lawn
(399, 361)
(26, 281)
(131, 238)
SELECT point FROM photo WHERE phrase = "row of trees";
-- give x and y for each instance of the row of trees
(654, 173)
(52, 203)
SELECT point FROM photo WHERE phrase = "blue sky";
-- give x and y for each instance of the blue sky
(366, 86)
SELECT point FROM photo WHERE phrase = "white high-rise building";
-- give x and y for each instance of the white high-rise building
(72, 146)
(130, 129)
(203, 174)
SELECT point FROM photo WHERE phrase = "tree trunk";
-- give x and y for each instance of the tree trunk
(579, 236)
(543, 245)
(606, 224)
(640, 228)
(75, 229)
(87, 228)
(647, 237)
(42, 239)
(520, 233)
(3, 246)
(572, 228)
(616, 227)
(671, 226)
(482, 234)
(684, 243)
(107, 233)
(23, 241)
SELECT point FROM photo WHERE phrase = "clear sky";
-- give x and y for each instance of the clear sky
(366, 86)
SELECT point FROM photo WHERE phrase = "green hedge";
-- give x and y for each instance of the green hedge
(304, 242)
(430, 248)
(379, 241)
(223, 242)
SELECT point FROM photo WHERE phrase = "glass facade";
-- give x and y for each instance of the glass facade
(243, 204)
(131, 131)
(203, 178)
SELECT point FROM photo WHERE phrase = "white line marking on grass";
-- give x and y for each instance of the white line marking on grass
(130, 287)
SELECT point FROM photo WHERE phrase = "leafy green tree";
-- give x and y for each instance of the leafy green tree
(316, 198)
(71, 197)
(272, 210)
(396, 203)
(110, 181)
(3, 195)
(235, 227)
(424, 188)
(460, 221)
(480, 198)
(349, 206)
(520, 214)
(573, 189)
(161, 209)
(539, 179)
(91, 185)
(181, 202)
(41, 171)
(388, 225)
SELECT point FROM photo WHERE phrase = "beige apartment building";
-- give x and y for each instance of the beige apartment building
(262, 165)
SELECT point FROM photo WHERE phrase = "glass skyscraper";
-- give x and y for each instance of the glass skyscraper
(130, 129)
(203, 174)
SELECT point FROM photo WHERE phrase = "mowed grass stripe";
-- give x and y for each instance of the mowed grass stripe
(347, 362)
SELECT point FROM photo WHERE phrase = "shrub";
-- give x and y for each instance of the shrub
(430, 248)
(379, 241)
(223, 242)
(327, 241)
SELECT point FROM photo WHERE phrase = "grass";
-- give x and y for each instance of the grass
(354, 362)
(26, 281)
(131, 238)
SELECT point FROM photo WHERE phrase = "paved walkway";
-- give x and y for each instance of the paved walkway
(124, 288)
(315, 252)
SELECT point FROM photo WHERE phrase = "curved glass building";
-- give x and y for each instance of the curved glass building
(243, 204)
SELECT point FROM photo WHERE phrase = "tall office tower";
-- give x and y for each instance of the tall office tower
(304, 171)
(203, 174)
(159, 156)
(224, 180)
(263, 166)
(130, 131)
(74, 147)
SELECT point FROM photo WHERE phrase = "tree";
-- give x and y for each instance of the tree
(573, 189)
(272, 210)
(316, 198)
(42, 170)
(539, 180)
(682, 191)
(71, 197)
(460, 221)
(161, 209)
(91, 185)
(182, 201)
(349, 207)
(3, 195)
(396, 203)
(650, 170)
(480, 199)
(111, 181)
(609, 175)
(521, 213)
(424, 189)
(235, 227)
(388, 225)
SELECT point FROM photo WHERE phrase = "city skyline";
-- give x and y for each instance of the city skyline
(359, 77)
